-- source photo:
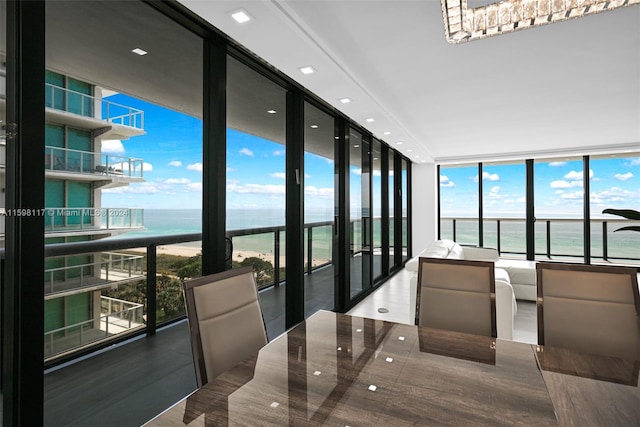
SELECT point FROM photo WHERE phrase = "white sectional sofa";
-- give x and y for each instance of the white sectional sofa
(505, 298)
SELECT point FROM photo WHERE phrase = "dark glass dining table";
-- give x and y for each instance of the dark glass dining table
(340, 370)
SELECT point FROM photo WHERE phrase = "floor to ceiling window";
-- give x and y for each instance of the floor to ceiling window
(360, 213)
(376, 207)
(256, 172)
(392, 211)
(123, 158)
(319, 195)
(615, 185)
(559, 208)
(459, 204)
(406, 226)
(504, 207)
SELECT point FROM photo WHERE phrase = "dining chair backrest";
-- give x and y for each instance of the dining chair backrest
(589, 308)
(457, 295)
(225, 320)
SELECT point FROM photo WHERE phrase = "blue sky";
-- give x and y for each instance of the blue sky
(172, 153)
(614, 182)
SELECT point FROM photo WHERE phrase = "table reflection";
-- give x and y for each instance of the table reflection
(593, 366)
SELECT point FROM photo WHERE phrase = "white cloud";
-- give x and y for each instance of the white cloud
(112, 146)
(445, 182)
(230, 170)
(576, 195)
(556, 164)
(564, 184)
(522, 199)
(177, 181)
(277, 153)
(612, 195)
(486, 176)
(623, 176)
(573, 175)
(194, 186)
(176, 163)
(234, 187)
(195, 167)
(279, 175)
(321, 193)
(356, 171)
(494, 192)
(635, 162)
(245, 151)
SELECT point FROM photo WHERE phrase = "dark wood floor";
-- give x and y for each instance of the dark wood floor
(132, 382)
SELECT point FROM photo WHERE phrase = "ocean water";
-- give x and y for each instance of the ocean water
(566, 236)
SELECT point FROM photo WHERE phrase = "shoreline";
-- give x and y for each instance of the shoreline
(238, 255)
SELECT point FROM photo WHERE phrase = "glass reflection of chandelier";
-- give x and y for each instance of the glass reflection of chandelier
(463, 24)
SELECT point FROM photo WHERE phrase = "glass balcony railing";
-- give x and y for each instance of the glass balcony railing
(111, 269)
(116, 316)
(555, 238)
(61, 220)
(67, 160)
(70, 101)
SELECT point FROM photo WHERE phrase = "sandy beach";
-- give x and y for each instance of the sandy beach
(238, 255)
(188, 251)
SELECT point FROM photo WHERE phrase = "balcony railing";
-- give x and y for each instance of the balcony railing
(111, 269)
(555, 238)
(60, 220)
(71, 101)
(67, 160)
(64, 343)
(116, 316)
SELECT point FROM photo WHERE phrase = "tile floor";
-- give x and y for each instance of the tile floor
(394, 297)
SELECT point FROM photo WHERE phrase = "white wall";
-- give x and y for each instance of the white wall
(424, 205)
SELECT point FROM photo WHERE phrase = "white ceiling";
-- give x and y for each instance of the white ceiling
(566, 88)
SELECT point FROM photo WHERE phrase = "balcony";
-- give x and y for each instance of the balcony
(112, 269)
(116, 317)
(114, 120)
(78, 221)
(94, 166)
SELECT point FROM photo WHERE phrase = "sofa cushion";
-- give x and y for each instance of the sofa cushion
(480, 254)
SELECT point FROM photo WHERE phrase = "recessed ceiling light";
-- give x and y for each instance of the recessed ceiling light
(271, 111)
(370, 120)
(356, 146)
(241, 16)
(139, 51)
(417, 156)
(387, 133)
(399, 143)
(409, 150)
(314, 126)
(307, 70)
(345, 100)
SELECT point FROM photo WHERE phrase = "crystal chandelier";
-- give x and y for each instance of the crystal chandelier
(464, 24)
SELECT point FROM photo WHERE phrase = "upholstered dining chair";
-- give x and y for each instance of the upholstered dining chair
(225, 320)
(457, 295)
(589, 308)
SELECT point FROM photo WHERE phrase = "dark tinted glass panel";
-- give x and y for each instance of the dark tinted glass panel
(256, 172)
(318, 208)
